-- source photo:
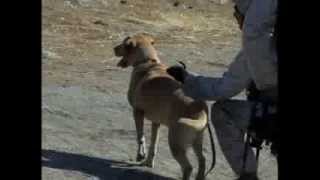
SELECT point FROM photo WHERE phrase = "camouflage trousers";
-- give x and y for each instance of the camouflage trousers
(230, 119)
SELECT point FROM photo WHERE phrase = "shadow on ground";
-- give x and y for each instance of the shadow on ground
(103, 169)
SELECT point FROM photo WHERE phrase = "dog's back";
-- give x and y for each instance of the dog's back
(160, 96)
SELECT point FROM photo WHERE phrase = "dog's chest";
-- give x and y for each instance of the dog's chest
(137, 78)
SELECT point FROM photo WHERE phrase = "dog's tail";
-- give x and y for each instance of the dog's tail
(200, 121)
(195, 115)
(195, 108)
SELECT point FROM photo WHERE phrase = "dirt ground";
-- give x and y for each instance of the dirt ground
(87, 128)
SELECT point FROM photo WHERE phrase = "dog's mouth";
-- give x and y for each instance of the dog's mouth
(122, 63)
(120, 52)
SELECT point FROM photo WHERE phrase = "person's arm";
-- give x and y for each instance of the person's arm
(257, 61)
(258, 44)
(233, 81)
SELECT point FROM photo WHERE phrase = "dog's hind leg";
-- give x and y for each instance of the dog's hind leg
(153, 146)
(197, 147)
(179, 152)
(138, 118)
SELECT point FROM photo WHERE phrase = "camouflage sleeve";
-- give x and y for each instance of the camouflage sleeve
(256, 61)
(258, 42)
(230, 84)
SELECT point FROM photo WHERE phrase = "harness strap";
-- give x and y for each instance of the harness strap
(250, 141)
(245, 153)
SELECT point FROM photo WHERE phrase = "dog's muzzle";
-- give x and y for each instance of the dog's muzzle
(119, 50)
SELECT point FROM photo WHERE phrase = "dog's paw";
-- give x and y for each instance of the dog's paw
(140, 157)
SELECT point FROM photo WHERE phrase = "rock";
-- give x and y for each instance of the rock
(176, 4)
(220, 1)
(71, 3)
(100, 22)
(49, 55)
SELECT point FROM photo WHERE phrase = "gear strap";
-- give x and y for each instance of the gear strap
(261, 126)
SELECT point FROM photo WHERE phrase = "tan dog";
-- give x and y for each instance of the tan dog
(157, 96)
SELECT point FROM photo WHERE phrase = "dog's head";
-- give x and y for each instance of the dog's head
(135, 50)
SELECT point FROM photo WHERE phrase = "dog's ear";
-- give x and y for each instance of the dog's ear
(130, 42)
(151, 39)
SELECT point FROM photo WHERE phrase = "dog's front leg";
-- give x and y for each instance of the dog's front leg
(138, 118)
(153, 146)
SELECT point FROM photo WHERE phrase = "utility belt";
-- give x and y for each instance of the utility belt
(263, 126)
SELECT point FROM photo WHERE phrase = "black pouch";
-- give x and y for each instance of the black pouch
(264, 124)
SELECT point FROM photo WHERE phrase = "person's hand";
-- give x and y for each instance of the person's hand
(178, 72)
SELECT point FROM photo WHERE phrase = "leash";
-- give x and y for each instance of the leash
(212, 144)
(212, 149)
(249, 140)
(252, 139)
